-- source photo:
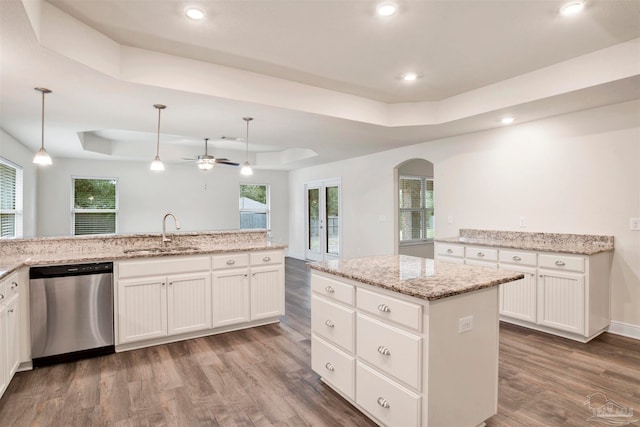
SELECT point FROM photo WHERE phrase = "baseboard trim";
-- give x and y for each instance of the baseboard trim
(625, 329)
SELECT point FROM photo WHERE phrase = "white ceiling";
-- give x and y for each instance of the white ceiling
(321, 76)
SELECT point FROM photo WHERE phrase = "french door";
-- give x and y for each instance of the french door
(323, 223)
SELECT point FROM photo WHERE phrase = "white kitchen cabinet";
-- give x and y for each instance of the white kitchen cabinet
(9, 330)
(188, 302)
(230, 290)
(267, 291)
(13, 343)
(142, 309)
(561, 294)
(4, 378)
(409, 365)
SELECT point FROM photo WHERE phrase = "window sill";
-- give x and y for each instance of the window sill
(417, 242)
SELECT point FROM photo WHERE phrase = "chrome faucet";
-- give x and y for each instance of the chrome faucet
(166, 239)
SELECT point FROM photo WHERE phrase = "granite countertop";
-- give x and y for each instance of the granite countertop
(417, 277)
(8, 264)
(580, 244)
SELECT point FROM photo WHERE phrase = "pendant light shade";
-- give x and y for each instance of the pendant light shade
(246, 167)
(157, 165)
(42, 158)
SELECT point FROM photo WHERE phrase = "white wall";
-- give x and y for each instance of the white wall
(201, 201)
(576, 173)
(13, 150)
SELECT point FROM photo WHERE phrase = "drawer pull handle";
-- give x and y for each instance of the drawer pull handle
(384, 308)
(329, 289)
(14, 285)
(449, 251)
(383, 402)
(329, 323)
(480, 254)
(560, 263)
(517, 258)
(231, 262)
(266, 259)
(384, 351)
(329, 367)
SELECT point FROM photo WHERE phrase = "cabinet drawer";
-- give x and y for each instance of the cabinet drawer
(392, 350)
(389, 402)
(163, 266)
(561, 262)
(229, 261)
(266, 258)
(11, 286)
(335, 366)
(450, 250)
(389, 308)
(482, 254)
(333, 289)
(516, 257)
(333, 322)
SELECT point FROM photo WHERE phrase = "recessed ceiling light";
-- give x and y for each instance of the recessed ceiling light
(195, 13)
(409, 77)
(386, 9)
(507, 120)
(571, 9)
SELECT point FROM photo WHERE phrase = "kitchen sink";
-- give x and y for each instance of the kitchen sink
(160, 250)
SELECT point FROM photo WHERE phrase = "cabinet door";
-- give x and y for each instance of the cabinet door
(267, 292)
(12, 337)
(188, 302)
(518, 299)
(3, 346)
(230, 297)
(142, 309)
(561, 301)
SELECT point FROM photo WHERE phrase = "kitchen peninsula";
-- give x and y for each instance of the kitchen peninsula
(409, 341)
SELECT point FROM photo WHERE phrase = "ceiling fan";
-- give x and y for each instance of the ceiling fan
(206, 161)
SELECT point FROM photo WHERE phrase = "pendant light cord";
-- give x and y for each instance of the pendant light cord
(246, 158)
(42, 133)
(158, 141)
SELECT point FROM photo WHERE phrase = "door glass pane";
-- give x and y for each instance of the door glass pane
(410, 193)
(313, 196)
(411, 225)
(333, 220)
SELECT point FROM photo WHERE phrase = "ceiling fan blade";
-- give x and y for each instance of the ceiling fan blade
(227, 162)
(188, 158)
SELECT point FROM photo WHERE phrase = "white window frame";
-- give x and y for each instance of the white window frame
(265, 211)
(74, 211)
(19, 196)
(424, 209)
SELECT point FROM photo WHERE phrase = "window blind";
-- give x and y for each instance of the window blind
(416, 209)
(95, 206)
(10, 200)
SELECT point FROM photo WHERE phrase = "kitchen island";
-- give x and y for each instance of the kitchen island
(409, 341)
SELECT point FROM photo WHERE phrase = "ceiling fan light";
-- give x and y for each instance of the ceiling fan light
(205, 165)
(246, 169)
(42, 158)
(157, 165)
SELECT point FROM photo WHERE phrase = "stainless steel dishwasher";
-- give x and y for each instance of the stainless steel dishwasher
(71, 312)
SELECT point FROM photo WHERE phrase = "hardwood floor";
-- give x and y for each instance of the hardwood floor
(262, 377)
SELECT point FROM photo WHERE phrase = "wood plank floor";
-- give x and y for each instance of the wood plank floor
(262, 377)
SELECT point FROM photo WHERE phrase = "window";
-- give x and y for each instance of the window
(10, 199)
(95, 205)
(254, 206)
(416, 209)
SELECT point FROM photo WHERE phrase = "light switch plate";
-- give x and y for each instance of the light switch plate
(634, 224)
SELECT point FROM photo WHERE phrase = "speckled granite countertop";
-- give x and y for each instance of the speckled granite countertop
(417, 277)
(15, 254)
(581, 244)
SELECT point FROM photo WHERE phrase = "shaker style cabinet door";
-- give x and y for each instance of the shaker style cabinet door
(518, 299)
(230, 289)
(142, 309)
(188, 302)
(267, 292)
(561, 303)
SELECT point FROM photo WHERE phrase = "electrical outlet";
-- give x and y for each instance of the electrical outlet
(523, 221)
(634, 224)
(450, 219)
(465, 324)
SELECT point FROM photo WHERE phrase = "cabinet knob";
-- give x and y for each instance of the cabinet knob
(329, 289)
(163, 283)
(266, 259)
(384, 351)
(170, 283)
(14, 285)
(517, 258)
(449, 251)
(480, 254)
(1, 296)
(329, 367)
(10, 311)
(329, 323)
(383, 402)
(231, 262)
(560, 263)
(384, 308)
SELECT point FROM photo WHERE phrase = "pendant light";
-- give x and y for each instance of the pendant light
(246, 167)
(157, 165)
(42, 158)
